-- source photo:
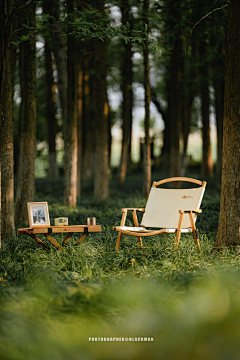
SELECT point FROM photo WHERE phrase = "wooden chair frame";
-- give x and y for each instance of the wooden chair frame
(143, 233)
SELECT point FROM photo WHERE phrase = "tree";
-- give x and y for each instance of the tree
(88, 140)
(26, 171)
(52, 7)
(6, 149)
(147, 99)
(50, 110)
(229, 224)
(207, 162)
(127, 93)
(100, 106)
(6, 23)
(71, 144)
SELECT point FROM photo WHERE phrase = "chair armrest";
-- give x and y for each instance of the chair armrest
(133, 209)
(190, 210)
(134, 214)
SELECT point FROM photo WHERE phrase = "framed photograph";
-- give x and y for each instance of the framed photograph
(38, 214)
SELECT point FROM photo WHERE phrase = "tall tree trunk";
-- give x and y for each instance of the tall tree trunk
(127, 95)
(53, 171)
(6, 19)
(147, 99)
(6, 154)
(26, 173)
(165, 154)
(174, 106)
(207, 162)
(100, 117)
(219, 107)
(79, 124)
(189, 91)
(229, 223)
(71, 144)
(88, 139)
(60, 56)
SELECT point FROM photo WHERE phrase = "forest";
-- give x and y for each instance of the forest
(64, 60)
(74, 77)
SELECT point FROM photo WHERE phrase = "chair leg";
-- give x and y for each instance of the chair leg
(135, 220)
(124, 215)
(195, 233)
(179, 229)
(140, 240)
(118, 241)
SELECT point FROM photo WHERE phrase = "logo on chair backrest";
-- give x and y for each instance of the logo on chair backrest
(187, 197)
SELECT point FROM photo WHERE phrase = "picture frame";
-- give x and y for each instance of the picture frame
(38, 214)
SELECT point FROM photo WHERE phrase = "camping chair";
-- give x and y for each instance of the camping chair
(168, 210)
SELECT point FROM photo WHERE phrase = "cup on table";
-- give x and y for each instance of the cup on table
(91, 221)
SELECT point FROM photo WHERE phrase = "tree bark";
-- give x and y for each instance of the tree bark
(207, 162)
(79, 129)
(127, 94)
(6, 154)
(6, 21)
(25, 189)
(189, 91)
(60, 56)
(174, 106)
(147, 99)
(53, 171)
(71, 144)
(88, 139)
(219, 108)
(229, 223)
(100, 105)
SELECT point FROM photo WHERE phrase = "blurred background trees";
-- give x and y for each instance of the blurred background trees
(90, 57)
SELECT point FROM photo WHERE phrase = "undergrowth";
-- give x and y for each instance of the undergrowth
(89, 301)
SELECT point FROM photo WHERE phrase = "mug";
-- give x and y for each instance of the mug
(91, 221)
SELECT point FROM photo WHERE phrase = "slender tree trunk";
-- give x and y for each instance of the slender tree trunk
(79, 123)
(229, 223)
(219, 107)
(6, 19)
(174, 106)
(207, 162)
(60, 56)
(6, 154)
(26, 173)
(189, 91)
(127, 95)
(165, 154)
(53, 171)
(147, 99)
(100, 117)
(71, 144)
(88, 139)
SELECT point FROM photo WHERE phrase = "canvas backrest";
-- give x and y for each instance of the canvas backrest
(163, 205)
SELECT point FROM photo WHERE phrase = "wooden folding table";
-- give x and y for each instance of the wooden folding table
(47, 231)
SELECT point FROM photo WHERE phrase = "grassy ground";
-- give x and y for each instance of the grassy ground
(83, 301)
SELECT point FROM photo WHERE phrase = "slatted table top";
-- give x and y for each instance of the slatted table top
(45, 229)
(48, 230)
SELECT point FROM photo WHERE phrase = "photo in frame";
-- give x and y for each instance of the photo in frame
(38, 214)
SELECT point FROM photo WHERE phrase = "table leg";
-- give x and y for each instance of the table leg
(53, 241)
(33, 236)
(82, 238)
(67, 237)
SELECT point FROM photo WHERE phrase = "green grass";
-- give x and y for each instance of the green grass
(53, 303)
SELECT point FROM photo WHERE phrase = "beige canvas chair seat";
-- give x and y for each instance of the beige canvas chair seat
(141, 231)
(167, 210)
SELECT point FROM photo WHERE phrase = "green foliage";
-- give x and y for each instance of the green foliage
(52, 302)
